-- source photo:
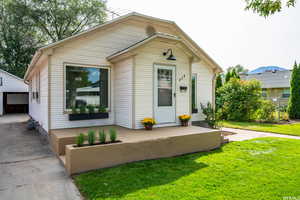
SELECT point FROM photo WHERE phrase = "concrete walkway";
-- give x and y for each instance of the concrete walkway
(28, 168)
(247, 134)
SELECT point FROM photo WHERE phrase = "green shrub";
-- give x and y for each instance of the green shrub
(82, 109)
(91, 137)
(239, 99)
(74, 110)
(102, 109)
(266, 111)
(80, 140)
(210, 115)
(113, 135)
(91, 108)
(102, 136)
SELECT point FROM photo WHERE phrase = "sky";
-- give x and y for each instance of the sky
(228, 33)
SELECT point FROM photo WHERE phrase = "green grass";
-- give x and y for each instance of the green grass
(260, 169)
(287, 129)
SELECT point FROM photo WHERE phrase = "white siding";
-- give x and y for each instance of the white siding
(12, 84)
(204, 87)
(91, 49)
(123, 92)
(39, 110)
(147, 56)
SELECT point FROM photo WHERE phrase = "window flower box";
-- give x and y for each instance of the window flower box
(88, 116)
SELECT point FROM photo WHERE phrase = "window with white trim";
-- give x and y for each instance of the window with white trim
(86, 86)
(194, 92)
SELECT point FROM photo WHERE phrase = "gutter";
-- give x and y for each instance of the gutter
(34, 60)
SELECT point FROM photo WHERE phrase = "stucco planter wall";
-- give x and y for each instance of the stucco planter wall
(102, 156)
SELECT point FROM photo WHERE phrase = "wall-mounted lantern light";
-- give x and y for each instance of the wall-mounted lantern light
(171, 56)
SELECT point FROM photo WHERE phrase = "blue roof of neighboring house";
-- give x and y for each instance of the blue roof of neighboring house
(266, 68)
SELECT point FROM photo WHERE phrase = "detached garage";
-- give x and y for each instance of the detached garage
(13, 94)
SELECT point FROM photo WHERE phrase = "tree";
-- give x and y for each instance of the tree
(239, 69)
(219, 84)
(294, 101)
(58, 19)
(268, 7)
(17, 40)
(227, 76)
(234, 74)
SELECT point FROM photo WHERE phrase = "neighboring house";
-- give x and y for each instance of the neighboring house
(135, 66)
(275, 82)
(13, 94)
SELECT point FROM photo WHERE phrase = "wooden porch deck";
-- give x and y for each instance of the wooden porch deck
(62, 137)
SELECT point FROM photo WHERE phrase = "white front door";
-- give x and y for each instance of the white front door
(164, 94)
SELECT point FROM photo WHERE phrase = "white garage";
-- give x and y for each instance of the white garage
(13, 94)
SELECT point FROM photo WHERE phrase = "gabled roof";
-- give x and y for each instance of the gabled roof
(266, 69)
(40, 51)
(142, 42)
(9, 74)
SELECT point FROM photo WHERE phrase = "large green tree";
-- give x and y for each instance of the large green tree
(18, 40)
(294, 101)
(58, 19)
(268, 7)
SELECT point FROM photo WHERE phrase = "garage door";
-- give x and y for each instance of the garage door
(15, 102)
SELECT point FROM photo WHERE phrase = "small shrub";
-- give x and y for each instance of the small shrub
(82, 109)
(102, 109)
(210, 115)
(80, 140)
(74, 110)
(102, 136)
(91, 137)
(113, 135)
(266, 111)
(91, 108)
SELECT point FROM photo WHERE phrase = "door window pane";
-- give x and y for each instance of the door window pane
(86, 86)
(164, 97)
(165, 89)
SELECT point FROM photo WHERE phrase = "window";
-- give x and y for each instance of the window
(86, 86)
(1, 81)
(264, 92)
(286, 93)
(37, 87)
(194, 92)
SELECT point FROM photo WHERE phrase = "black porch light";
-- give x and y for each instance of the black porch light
(171, 56)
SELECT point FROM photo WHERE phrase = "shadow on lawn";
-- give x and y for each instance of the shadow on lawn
(125, 179)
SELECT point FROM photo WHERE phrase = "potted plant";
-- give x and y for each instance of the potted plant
(184, 119)
(148, 123)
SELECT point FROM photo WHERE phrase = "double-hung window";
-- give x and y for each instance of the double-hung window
(86, 86)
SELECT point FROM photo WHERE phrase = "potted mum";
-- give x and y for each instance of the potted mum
(184, 119)
(148, 123)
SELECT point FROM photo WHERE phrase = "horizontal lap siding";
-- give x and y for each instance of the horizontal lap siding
(144, 62)
(91, 49)
(39, 111)
(123, 92)
(204, 87)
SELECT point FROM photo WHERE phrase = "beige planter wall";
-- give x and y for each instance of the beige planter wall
(102, 156)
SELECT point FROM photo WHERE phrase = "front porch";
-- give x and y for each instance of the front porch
(136, 145)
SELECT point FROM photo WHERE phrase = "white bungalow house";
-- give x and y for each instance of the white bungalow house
(135, 66)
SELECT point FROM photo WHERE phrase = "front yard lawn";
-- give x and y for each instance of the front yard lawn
(267, 168)
(287, 129)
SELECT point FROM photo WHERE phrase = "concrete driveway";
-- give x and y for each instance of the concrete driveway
(28, 168)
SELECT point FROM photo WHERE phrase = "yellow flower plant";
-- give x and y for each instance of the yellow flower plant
(185, 117)
(148, 121)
